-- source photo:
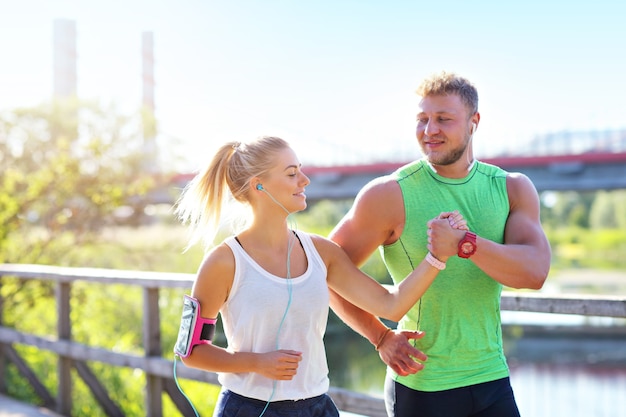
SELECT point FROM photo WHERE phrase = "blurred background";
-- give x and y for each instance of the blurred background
(336, 79)
(107, 109)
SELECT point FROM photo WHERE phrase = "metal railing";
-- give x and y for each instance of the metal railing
(157, 369)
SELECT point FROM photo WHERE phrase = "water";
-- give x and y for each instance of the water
(565, 369)
(548, 390)
(571, 366)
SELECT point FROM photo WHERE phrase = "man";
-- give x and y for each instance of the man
(457, 321)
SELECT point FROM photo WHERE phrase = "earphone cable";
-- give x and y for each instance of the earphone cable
(290, 245)
(181, 390)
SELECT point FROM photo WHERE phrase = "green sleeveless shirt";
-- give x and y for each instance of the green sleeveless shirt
(460, 312)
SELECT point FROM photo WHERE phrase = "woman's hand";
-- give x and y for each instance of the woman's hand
(279, 364)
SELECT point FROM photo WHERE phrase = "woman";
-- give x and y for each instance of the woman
(270, 283)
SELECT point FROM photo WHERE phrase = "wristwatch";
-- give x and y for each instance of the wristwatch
(467, 245)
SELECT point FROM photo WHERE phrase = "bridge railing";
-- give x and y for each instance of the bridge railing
(157, 369)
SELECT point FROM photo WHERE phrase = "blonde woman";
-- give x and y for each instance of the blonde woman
(270, 283)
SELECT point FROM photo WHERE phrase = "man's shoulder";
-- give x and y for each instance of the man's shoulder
(519, 184)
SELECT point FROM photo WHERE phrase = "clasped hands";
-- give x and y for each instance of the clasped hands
(443, 234)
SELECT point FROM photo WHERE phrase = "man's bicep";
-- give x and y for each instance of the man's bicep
(369, 222)
(355, 237)
(524, 224)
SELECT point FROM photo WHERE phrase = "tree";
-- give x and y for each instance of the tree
(609, 210)
(568, 208)
(66, 166)
(619, 200)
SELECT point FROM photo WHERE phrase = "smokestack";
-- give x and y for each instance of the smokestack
(64, 58)
(147, 112)
(147, 48)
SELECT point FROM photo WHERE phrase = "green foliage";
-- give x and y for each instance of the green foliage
(593, 234)
(603, 211)
(44, 363)
(578, 216)
(583, 248)
(31, 306)
(66, 166)
(565, 209)
(124, 387)
(322, 216)
(609, 210)
(105, 300)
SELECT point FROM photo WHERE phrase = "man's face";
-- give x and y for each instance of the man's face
(443, 128)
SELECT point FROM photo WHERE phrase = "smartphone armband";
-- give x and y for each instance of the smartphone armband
(194, 329)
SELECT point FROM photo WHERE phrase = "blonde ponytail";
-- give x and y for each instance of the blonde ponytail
(226, 177)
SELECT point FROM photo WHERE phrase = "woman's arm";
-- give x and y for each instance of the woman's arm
(392, 302)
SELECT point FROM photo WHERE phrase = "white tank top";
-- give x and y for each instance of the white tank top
(253, 313)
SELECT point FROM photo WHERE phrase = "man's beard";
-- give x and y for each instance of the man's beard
(447, 158)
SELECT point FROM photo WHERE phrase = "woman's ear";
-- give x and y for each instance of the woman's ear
(255, 183)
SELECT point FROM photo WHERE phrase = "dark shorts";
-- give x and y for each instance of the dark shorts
(489, 399)
(230, 404)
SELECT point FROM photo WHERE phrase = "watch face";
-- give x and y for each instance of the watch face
(467, 247)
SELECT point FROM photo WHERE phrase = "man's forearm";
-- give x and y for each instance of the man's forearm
(362, 322)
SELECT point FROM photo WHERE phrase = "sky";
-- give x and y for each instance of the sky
(335, 78)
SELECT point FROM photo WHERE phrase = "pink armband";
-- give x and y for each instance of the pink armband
(194, 329)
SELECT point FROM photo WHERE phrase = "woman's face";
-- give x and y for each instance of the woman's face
(285, 183)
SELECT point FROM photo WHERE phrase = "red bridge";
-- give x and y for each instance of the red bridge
(581, 172)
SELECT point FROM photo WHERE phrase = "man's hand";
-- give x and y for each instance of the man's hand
(399, 355)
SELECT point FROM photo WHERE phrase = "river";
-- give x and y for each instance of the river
(566, 390)
(562, 368)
